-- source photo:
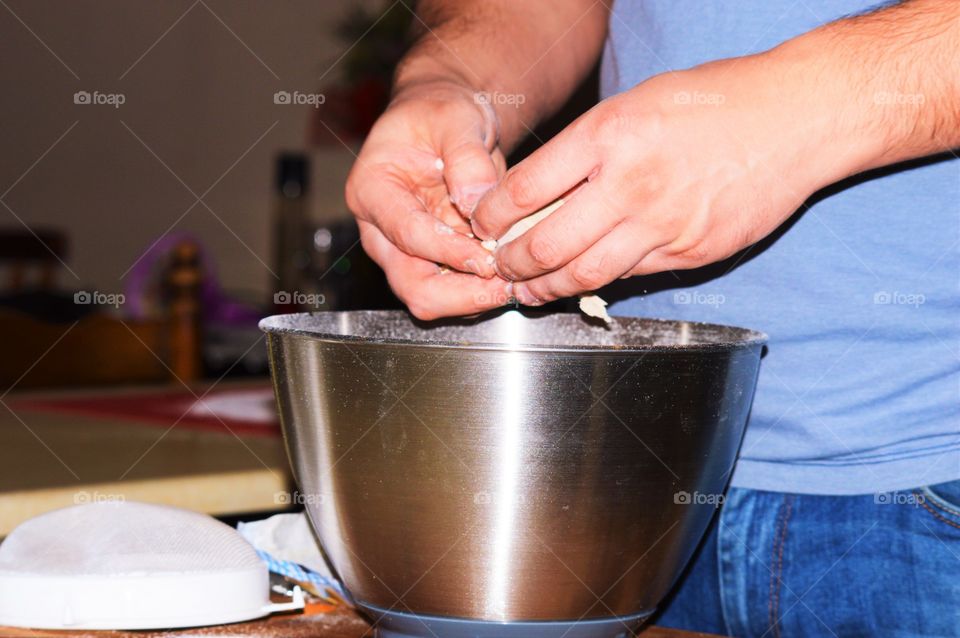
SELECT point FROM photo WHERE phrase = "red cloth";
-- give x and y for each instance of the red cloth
(248, 410)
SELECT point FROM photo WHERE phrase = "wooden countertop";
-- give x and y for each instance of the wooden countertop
(340, 623)
(54, 460)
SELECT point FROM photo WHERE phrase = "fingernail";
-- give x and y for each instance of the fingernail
(481, 233)
(483, 271)
(482, 268)
(504, 273)
(467, 197)
(508, 290)
(523, 295)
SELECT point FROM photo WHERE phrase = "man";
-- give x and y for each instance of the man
(753, 163)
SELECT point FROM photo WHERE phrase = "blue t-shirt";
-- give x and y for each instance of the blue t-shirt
(860, 389)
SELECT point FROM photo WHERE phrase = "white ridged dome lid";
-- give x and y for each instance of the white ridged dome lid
(129, 565)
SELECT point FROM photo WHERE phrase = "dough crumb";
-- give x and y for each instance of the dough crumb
(594, 306)
(439, 164)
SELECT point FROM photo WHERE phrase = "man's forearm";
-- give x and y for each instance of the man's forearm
(527, 56)
(889, 80)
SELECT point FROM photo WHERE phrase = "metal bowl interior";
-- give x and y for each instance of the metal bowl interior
(512, 330)
(522, 468)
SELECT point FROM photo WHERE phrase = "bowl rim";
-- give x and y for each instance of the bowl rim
(284, 324)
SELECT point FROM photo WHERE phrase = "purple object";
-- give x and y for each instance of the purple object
(215, 305)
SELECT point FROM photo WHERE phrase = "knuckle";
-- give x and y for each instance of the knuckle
(350, 191)
(420, 310)
(520, 188)
(693, 252)
(616, 121)
(404, 236)
(544, 252)
(620, 122)
(541, 292)
(645, 185)
(588, 274)
(367, 242)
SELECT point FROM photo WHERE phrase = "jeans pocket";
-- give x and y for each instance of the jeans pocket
(943, 502)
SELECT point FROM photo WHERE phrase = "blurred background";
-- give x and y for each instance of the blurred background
(172, 172)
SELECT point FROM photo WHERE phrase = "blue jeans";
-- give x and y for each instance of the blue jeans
(789, 565)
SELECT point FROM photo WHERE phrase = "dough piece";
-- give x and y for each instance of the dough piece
(529, 222)
(590, 305)
(594, 306)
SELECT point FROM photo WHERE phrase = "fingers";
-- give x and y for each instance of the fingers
(583, 220)
(424, 290)
(402, 219)
(469, 172)
(553, 169)
(614, 255)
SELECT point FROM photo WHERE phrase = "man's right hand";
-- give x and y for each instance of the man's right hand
(419, 175)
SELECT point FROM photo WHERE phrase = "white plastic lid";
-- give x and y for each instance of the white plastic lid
(128, 565)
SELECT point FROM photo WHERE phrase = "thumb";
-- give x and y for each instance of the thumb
(470, 168)
(469, 172)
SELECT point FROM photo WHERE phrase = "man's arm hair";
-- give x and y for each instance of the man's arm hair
(528, 55)
(894, 75)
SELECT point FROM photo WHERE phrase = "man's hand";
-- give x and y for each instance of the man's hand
(681, 171)
(440, 144)
(690, 167)
(421, 171)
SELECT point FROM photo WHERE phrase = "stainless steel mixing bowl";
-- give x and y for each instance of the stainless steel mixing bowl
(521, 468)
